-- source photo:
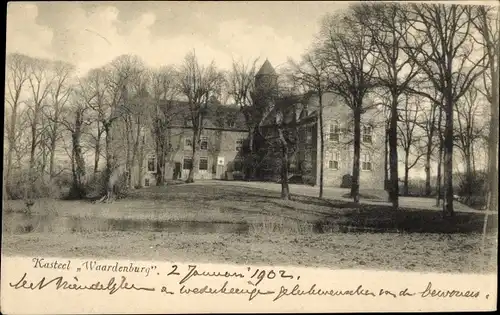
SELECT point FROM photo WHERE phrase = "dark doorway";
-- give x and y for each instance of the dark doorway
(177, 170)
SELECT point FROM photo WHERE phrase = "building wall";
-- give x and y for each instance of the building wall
(220, 144)
(335, 111)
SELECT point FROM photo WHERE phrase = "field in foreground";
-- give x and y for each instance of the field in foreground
(234, 224)
(382, 251)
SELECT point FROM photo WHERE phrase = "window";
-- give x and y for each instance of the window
(204, 143)
(333, 163)
(309, 132)
(334, 132)
(203, 165)
(146, 182)
(238, 166)
(367, 134)
(366, 162)
(188, 163)
(152, 163)
(188, 143)
(239, 144)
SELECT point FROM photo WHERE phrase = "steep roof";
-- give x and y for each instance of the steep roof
(218, 116)
(266, 69)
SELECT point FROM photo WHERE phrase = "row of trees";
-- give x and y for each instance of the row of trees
(427, 64)
(108, 111)
(441, 54)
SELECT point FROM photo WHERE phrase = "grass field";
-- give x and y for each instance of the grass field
(239, 224)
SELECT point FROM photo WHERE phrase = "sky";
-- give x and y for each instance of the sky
(90, 34)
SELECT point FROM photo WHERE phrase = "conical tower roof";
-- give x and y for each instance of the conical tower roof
(266, 69)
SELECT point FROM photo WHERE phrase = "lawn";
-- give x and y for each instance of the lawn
(212, 222)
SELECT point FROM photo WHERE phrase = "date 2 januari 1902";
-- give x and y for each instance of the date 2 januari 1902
(256, 273)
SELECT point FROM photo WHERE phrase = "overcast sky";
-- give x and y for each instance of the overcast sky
(91, 34)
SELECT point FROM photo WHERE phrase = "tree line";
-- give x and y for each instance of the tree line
(429, 65)
(433, 68)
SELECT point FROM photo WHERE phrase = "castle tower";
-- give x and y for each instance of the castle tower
(266, 78)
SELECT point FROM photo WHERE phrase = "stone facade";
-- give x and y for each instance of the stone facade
(338, 140)
(219, 151)
(220, 155)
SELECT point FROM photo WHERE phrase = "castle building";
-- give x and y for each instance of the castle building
(222, 154)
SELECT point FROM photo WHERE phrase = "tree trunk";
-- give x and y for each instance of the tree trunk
(52, 156)
(428, 168)
(285, 190)
(393, 155)
(135, 154)
(386, 161)
(448, 158)
(356, 157)
(250, 167)
(140, 171)
(493, 140)
(438, 177)
(96, 156)
(109, 155)
(196, 138)
(159, 135)
(97, 151)
(78, 162)
(469, 176)
(407, 171)
(11, 139)
(53, 141)
(322, 146)
(440, 159)
(31, 171)
(129, 149)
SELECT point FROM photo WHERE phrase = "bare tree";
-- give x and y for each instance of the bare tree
(442, 45)
(469, 131)
(74, 118)
(428, 123)
(40, 81)
(109, 86)
(135, 102)
(93, 86)
(16, 77)
(409, 140)
(163, 89)
(57, 98)
(282, 124)
(349, 51)
(487, 25)
(388, 26)
(200, 85)
(313, 74)
(241, 87)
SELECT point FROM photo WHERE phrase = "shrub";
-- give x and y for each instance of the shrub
(346, 181)
(97, 185)
(21, 187)
(473, 190)
(309, 180)
(237, 175)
